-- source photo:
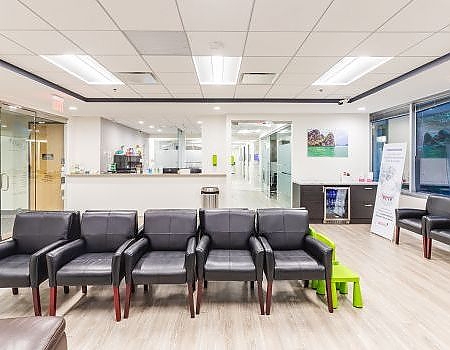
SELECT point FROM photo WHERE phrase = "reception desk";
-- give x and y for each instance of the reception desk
(139, 191)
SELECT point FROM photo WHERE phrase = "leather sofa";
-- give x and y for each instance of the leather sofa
(42, 333)
(228, 249)
(437, 225)
(165, 254)
(413, 219)
(290, 252)
(96, 258)
(22, 258)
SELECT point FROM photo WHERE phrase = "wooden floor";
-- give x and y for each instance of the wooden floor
(407, 303)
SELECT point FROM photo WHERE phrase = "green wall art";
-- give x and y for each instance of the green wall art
(327, 143)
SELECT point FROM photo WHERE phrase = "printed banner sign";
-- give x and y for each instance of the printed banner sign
(389, 187)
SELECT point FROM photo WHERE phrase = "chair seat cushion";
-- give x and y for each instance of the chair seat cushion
(15, 271)
(441, 235)
(230, 265)
(87, 269)
(297, 265)
(160, 267)
(411, 224)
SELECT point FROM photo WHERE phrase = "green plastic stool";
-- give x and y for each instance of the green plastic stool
(340, 276)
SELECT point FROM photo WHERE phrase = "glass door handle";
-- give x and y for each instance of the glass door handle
(7, 182)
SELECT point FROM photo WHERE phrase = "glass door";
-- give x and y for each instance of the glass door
(15, 131)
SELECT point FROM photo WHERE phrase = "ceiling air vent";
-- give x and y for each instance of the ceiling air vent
(137, 78)
(258, 78)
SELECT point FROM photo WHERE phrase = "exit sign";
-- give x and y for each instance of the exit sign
(57, 103)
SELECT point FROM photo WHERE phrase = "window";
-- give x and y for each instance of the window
(432, 163)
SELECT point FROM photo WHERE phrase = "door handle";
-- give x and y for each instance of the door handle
(7, 182)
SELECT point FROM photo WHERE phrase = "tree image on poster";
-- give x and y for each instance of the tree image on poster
(327, 143)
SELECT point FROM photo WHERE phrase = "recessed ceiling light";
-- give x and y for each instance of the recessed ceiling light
(41, 122)
(4, 126)
(217, 70)
(85, 68)
(141, 122)
(361, 108)
(14, 107)
(199, 122)
(349, 69)
(72, 108)
(151, 126)
(217, 108)
(159, 130)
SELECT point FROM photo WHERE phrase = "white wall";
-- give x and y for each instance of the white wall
(83, 143)
(214, 141)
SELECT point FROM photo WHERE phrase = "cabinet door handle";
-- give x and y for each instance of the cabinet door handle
(368, 188)
(368, 205)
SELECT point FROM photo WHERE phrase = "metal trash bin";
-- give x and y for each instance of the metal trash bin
(210, 197)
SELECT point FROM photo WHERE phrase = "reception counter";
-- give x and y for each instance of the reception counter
(139, 191)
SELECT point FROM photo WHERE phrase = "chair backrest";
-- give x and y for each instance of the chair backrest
(228, 228)
(169, 229)
(438, 205)
(284, 229)
(33, 230)
(105, 231)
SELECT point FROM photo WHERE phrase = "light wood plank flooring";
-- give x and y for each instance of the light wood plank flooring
(407, 303)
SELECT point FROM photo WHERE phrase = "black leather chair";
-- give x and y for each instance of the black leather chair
(228, 249)
(291, 253)
(165, 254)
(437, 225)
(22, 258)
(97, 257)
(413, 219)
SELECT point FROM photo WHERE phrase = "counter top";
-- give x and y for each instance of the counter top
(335, 183)
(147, 175)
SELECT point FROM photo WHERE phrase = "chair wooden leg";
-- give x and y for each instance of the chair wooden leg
(66, 289)
(269, 297)
(205, 284)
(194, 287)
(133, 288)
(117, 303)
(126, 312)
(397, 234)
(199, 295)
(36, 301)
(329, 295)
(260, 297)
(429, 240)
(84, 289)
(52, 302)
(252, 285)
(425, 246)
(15, 291)
(145, 287)
(191, 299)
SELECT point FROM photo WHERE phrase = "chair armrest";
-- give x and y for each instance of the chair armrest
(433, 222)
(7, 248)
(269, 261)
(189, 261)
(132, 255)
(118, 262)
(405, 213)
(257, 250)
(61, 256)
(38, 263)
(202, 252)
(321, 252)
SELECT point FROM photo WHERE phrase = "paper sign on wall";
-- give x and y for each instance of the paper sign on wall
(389, 187)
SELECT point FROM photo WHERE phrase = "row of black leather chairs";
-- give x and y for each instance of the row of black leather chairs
(433, 222)
(171, 248)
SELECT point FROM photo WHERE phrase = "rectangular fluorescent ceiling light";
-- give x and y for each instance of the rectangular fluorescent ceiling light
(85, 68)
(217, 70)
(349, 69)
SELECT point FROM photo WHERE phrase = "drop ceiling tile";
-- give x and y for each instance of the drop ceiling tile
(263, 64)
(273, 43)
(420, 16)
(117, 91)
(152, 95)
(399, 65)
(99, 43)
(284, 91)
(316, 92)
(297, 79)
(62, 78)
(217, 43)
(305, 65)
(357, 15)
(388, 44)
(224, 91)
(150, 89)
(189, 95)
(72, 15)
(43, 42)
(32, 63)
(158, 15)
(364, 83)
(436, 45)
(123, 63)
(207, 15)
(86, 90)
(178, 78)
(160, 42)
(287, 15)
(251, 91)
(8, 47)
(331, 44)
(15, 16)
(166, 64)
(183, 89)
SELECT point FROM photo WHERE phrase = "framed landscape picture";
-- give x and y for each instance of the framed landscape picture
(327, 143)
